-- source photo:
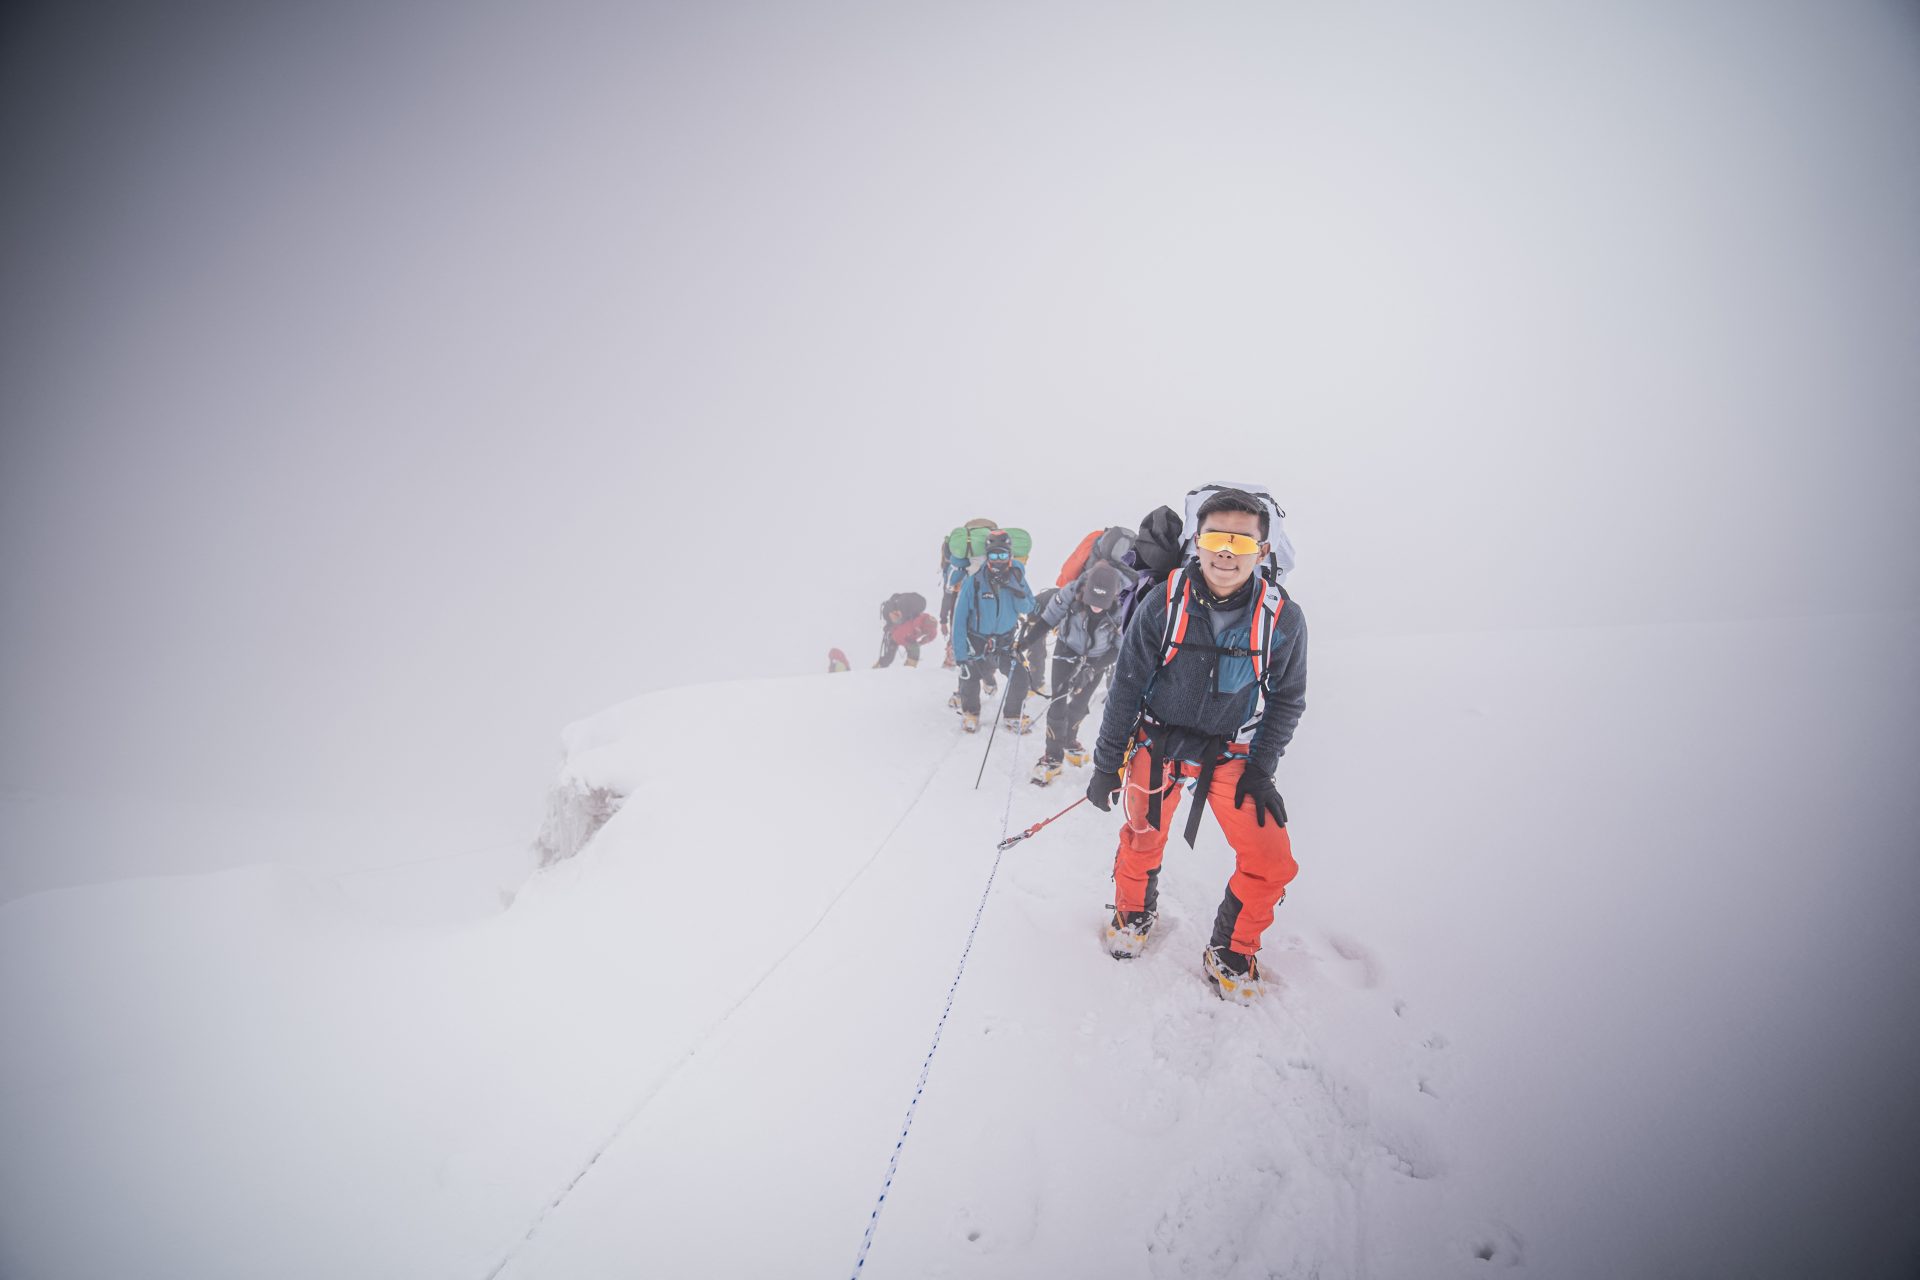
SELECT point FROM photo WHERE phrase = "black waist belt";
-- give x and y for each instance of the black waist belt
(1212, 749)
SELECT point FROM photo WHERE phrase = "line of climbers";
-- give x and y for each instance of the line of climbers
(1207, 653)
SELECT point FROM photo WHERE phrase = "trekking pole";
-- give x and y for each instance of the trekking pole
(1034, 830)
(990, 732)
(1033, 678)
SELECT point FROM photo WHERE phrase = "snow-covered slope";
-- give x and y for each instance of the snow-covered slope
(1535, 998)
(1081, 1117)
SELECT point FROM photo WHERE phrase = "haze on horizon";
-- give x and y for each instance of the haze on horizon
(386, 386)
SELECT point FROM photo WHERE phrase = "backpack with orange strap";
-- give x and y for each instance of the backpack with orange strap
(1110, 544)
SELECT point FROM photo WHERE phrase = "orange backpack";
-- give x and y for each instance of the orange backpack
(1108, 544)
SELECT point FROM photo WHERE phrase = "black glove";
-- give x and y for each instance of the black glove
(1259, 788)
(1102, 788)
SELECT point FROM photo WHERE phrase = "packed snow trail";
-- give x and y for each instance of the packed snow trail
(694, 1052)
(953, 990)
(1170, 1118)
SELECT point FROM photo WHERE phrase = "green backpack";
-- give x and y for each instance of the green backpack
(970, 544)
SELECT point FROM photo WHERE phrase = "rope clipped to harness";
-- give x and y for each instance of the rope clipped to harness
(1212, 751)
(1033, 677)
(1035, 829)
(1151, 795)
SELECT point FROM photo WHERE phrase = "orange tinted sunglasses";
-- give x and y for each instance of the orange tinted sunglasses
(1240, 544)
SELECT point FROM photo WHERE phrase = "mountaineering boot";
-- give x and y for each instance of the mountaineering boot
(1019, 724)
(969, 722)
(1234, 977)
(913, 662)
(953, 700)
(1127, 933)
(1077, 755)
(1046, 771)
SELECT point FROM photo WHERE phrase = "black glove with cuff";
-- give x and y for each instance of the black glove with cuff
(1259, 788)
(1102, 788)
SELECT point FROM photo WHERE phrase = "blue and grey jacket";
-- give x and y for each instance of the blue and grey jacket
(1085, 634)
(1203, 696)
(986, 612)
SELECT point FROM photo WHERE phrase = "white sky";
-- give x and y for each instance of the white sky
(383, 389)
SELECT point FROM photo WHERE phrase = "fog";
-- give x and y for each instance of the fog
(385, 387)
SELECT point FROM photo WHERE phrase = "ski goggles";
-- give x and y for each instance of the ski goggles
(999, 557)
(1239, 544)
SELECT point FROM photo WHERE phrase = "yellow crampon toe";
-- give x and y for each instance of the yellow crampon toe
(1227, 982)
(1127, 933)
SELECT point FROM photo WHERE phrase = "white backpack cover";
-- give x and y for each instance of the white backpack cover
(1280, 547)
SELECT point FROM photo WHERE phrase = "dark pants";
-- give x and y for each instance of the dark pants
(1073, 683)
(888, 648)
(979, 667)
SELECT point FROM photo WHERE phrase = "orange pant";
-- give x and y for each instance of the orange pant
(1263, 855)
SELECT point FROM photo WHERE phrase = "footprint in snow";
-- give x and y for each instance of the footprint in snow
(1500, 1245)
(1411, 1154)
(1362, 969)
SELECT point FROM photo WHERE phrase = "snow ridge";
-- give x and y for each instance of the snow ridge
(575, 789)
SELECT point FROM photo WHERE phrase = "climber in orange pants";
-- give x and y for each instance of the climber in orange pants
(1210, 684)
(1263, 852)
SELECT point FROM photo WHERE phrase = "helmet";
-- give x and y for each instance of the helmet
(999, 551)
(1102, 586)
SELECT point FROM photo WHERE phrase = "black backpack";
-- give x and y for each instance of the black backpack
(911, 605)
(1156, 553)
(1112, 546)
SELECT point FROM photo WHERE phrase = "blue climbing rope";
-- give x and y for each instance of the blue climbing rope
(926, 1065)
